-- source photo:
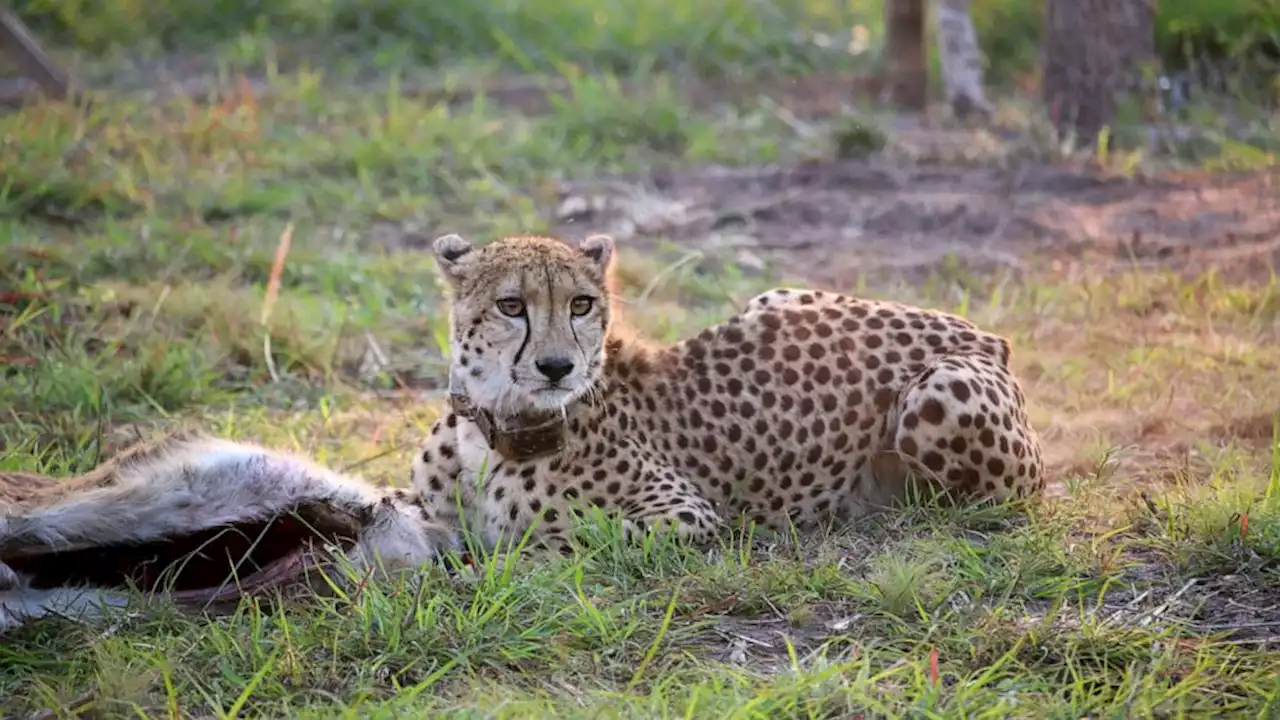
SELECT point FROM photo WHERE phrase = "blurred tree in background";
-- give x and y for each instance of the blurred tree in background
(907, 53)
(1087, 52)
(1095, 52)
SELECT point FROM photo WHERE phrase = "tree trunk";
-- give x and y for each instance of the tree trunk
(907, 53)
(1094, 52)
(26, 52)
(960, 58)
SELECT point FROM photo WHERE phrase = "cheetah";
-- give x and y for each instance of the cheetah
(806, 408)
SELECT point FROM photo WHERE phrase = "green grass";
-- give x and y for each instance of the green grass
(139, 238)
(627, 37)
(622, 36)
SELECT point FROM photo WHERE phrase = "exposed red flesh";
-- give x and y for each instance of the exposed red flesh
(276, 574)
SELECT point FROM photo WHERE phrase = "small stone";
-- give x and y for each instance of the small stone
(574, 207)
(749, 262)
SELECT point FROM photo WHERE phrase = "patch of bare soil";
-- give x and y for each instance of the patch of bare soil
(827, 222)
(1238, 607)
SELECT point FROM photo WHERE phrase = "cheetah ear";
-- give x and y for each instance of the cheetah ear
(598, 249)
(451, 251)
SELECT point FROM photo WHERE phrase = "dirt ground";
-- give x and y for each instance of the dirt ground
(826, 222)
(935, 192)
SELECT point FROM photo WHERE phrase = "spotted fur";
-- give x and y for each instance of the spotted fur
(807, 407)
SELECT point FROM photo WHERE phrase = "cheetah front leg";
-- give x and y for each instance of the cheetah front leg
(463, 485)
(665, 499)
(434, 476)
(638, 496)
(960, 428)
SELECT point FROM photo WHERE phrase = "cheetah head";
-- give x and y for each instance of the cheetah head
(528, 321)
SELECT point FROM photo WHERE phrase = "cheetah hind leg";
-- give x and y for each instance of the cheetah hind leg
(959, 433)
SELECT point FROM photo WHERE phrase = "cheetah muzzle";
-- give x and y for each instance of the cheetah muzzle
(806, 408)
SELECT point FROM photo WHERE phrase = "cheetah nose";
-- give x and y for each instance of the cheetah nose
(555, 368)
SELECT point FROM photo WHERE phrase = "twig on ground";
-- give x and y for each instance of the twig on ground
(1164, 607)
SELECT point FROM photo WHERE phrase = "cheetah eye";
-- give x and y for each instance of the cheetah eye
(581, 305)
(511, 307)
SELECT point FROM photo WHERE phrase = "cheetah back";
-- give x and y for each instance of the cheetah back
(779, 411)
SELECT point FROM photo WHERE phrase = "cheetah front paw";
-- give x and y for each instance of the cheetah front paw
(632, 531)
